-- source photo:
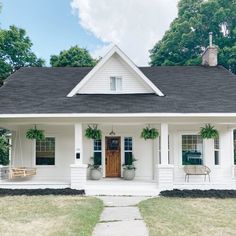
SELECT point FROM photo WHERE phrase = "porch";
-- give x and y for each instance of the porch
(159, 165)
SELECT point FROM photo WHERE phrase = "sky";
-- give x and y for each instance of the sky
(55, 25)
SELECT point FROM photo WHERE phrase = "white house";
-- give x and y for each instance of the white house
(121, 99)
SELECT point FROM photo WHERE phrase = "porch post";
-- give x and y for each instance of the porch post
(164, 144)
(78, 169)
(165, 170)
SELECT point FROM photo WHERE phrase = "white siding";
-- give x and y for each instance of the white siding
(115, 66)
(142, 150)
(219, 173)
(64, 152)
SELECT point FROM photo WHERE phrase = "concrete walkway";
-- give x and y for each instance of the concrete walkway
(121, 217)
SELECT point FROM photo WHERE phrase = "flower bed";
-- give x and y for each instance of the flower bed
(212, 193)
(40, 192)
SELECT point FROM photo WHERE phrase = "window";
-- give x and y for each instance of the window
(192, 149)
(115, 84)
(234, 147)
(217, 151)
(45, 151)
(97, 151)
(128, 149)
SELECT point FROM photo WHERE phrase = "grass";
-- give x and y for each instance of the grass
(49, 215)
(178, 216)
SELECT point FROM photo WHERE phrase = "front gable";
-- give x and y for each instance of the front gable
(116, 65)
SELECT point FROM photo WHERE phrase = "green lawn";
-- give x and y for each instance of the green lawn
(186, 216)
(49, 215)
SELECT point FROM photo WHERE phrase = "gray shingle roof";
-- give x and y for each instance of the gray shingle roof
(187, 89)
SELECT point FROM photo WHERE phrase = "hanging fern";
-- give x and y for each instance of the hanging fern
(93, 133)
(209, 132)
(149, 133)
(35, 134)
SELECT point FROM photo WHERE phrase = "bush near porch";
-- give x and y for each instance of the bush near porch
(190, 216)
(49, 215)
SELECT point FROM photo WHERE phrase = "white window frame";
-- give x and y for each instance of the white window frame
(118, 84)
(99, 151)
(125, 151)
(181, 151)
(217, 150)
(34, 156)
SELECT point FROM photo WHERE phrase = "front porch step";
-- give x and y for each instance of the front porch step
(121, 188)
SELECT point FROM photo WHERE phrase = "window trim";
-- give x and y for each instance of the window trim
(99, 151)
(181, 150)
(128, 151)
(116, 84)
(34, 154)
(218, 150)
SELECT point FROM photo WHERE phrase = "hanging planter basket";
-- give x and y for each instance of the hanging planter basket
(35, 134)
(149, 133)
(93, 132)
(209, 132)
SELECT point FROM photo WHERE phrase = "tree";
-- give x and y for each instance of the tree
(75, 57)
(15, 51)
(4, 148)
(187, 37)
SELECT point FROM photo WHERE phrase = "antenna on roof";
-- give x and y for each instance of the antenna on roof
(210, 39)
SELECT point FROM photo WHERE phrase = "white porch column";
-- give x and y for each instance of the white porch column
(78, 169)
(165, 170)
(164, 144)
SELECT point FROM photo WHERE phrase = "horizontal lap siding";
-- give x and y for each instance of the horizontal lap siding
(100, 82)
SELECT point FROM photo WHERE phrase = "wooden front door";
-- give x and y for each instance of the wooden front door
(113, 162)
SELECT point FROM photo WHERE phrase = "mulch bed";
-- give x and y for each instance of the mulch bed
(212, 193)
(40, 192)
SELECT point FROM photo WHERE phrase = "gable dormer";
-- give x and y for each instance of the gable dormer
(115, 74)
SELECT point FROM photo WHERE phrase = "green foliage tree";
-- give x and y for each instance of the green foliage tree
(4, 148)
(187, 37)
(15, 51)
(75, 57)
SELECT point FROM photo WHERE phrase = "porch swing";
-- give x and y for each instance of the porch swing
(20, 171)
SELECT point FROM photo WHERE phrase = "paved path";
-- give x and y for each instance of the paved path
(121, 217)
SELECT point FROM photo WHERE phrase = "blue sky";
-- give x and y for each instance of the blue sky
(134, 25)
(50, 24)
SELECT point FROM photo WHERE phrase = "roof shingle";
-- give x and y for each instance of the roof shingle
(187, 89)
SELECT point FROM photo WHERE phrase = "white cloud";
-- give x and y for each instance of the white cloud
(134, 25)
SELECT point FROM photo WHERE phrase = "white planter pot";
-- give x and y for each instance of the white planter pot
(129, 174)
(95, 174)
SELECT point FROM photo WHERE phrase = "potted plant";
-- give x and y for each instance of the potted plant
(209, 132)
(36, 134)
(149, 133)
(129, 169)
(93, 132)
(95, 170)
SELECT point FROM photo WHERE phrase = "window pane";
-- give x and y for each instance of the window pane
(119, 84)
(113, 83)
(128, 158)
(113, 144)
(97, 158)
(216, 143)
(97, 145)
(235, 147)
(45, 152)
(128, 144)
(192, 149)
(217, 159)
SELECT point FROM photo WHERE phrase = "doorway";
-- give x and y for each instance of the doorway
(113, 156)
